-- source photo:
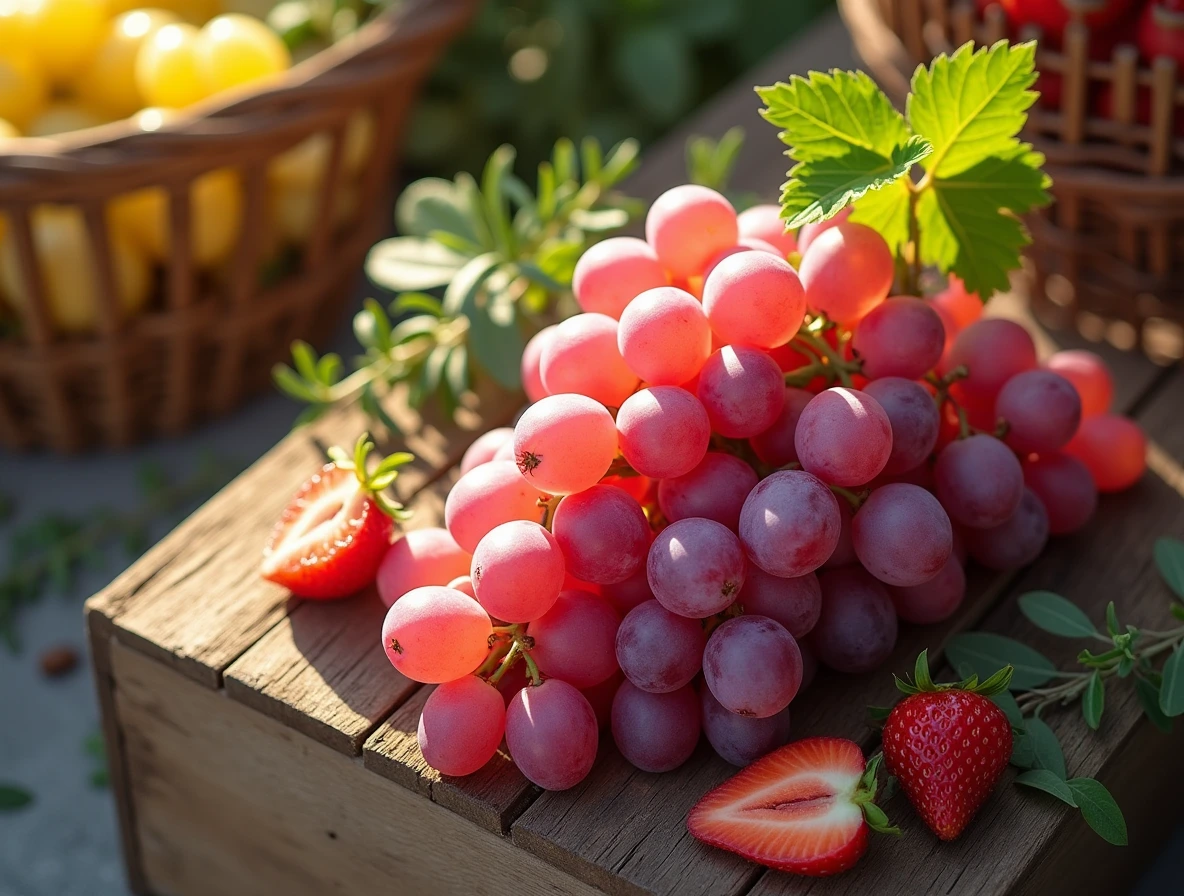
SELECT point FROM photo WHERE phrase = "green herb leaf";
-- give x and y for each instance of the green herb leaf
(1043, 779)
(986, 652)
(433, 204)
(416, 301)
(1112, 624)
(1148, 693)
(1006, 702)
(1046, 749)
(411, 263)
(13, 797)
(1171, 692)
(1023, 754)
(1093, 701)
(1099, 810)
(1169, 557)
(497, 345)
(1055, 614)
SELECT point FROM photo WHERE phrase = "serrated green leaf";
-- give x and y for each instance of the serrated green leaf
(412, 263)
(972, 104)
(1171, 691)
(461, 295)
(1055, 614)
(1043, 779)
(432, 204)
(1093, 701)
(1169, 558)
(1099, 810)
(1148, 693)
(986, 652)
(887, 212)
(13, 797)
(1046, 748)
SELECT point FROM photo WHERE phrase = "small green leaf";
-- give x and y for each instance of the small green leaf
(1099, 810)
(994, 684)
(1169, 557)
(1043, 779)
(1148, 693)
(1055, 614)
(291, 384)
(407, 302)
(1023, 753)
(921, 672)
(456, 371)
(986, 652)
(599, 220)
(1171, 692)
(497, 346)
(429, 204)
(305, 359)
(879, 713)
(1006, 702)
(500, 162)
(877, 820)
(1112, 625)
(412, 263)
(1093, 701)
(13, 797)
(1046, 749)
(461, 295)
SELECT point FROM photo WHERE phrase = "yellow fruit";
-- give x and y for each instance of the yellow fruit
(61, 118)
(8, 131)
(68, 271)
(166, 68)
(305, 164)
(234, 50)
(15, 26)
(216, 212)
(109, 81)
(23, 88)
(195, 12)
(66, 33)
(294, 210)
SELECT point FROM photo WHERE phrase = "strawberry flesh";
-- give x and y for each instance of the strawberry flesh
(330, 538)
(793, 810)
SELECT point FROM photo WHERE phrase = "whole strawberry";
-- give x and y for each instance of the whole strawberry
(948, 744)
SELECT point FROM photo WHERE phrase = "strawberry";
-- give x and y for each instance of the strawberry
(805, 808)
(948, 745)
(334, 532)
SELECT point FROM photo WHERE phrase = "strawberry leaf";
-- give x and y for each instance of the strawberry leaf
(1043, 779)
(995, 684)
(1056, 615)
(921, 672)
(1099, 810)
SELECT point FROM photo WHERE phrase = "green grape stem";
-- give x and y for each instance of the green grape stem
(829, 363)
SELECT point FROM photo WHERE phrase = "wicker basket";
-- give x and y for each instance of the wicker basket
(206, 335)
(1108, 255)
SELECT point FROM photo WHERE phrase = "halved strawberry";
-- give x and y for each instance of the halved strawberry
(805, 808)
(331, 537)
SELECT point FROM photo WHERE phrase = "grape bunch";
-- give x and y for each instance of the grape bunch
(742, 459)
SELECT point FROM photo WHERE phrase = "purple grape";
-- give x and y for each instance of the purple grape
(934, 600)
(626, 595)
(979, 481)
(844, 437)
(739, 739)
(795, 603)
(901, 535)
(714, 490)
(914, 418)
(753, 666)
(603, 534)
(775, 446)
(844, 552)
(655, 732)
(743, 391)
(552, 734)
(1042, 410)
(790, 524)
(902, 337)
(857, 629)
(696, 567)
(1014, 543)
(659, 651)
(1065, 488)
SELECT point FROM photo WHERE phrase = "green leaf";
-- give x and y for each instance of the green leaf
(972, 104)
(431, 204)
(994, 684)
(599, 220)
(1093, 701)
(305, 359)
(1046, 749)
(456, 371)
(501, 161)
(1171, 692)
(1055, 614)
(13, 797)
(1043, 779)
(1112, 625)
(887, 212)
(291, 384)
(921, 676)
(1169, 557)
(1023, 754)
(497, 345)
(1099, 810)
(1006, 702)
(656, 65)
(879, 713)
(622, 161)
(407, 302)
(461, 295)
(1148, 693)
(410, 263)
(986, 652)
(877, 820)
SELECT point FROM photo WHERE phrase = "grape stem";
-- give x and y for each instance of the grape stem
(855, 499)
(507, 662)
(833, 366)
(549, 505)
(942, 396)
(532, 668)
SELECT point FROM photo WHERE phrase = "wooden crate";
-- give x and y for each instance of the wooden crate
(261, 744)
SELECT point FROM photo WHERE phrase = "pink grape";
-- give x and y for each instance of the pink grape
(552, 734)
(752, 666)
(434, 634)
(664, 336)
(844, 437)
(421, 557)
(932, 601)
(487, 496)
(992, 350)
(1090, 377)
(858, 627)
(659, 651)
(517, 571)
(794, 603)
(485, 447)
(810, 232)
(847, 271)
(461, 726)
(913, 417)
(532, 360)
(505, 451)
(765, 223)
(714, 490)
(687, 226)
(844, 552)
(754, 298)
(775, 446)
(601, 697)
(742, 390)
(1065, 488)
(901, 337)
(696, 567)
(463, 584)
(1042, 410)
(582, 357)
(790, 524)
(741, 740)
(901, 535)
(564, 443)
(655, 732)
(575, 639)
(979, 481)
(746, 244)
(627, 594)
(603, 533)
(809, 665)
(663, 431)
(955, 304)
(1113, 449)
(612, 272)
(1014, 543)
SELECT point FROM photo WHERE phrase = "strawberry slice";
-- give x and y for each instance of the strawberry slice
(334, 532)
(805, 808)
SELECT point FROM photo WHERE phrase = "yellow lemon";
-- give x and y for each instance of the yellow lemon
(234, 50)
(109, 81)
(305, 163)
(294, 210)
(66, 33)
(23, 88)
(166, 68)
(195, 12)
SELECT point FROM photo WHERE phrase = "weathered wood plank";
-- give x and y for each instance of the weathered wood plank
(230, 801)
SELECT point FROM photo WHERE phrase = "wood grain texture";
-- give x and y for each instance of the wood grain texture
(230, 801)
